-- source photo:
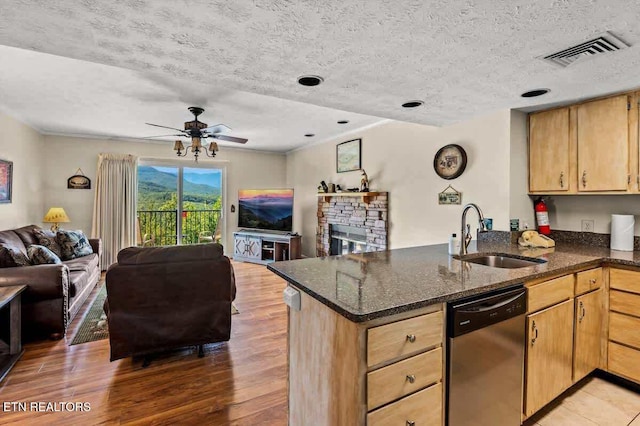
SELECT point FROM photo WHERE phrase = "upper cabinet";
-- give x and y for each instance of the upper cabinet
(549, 150)
(603, 145)
(584, 148)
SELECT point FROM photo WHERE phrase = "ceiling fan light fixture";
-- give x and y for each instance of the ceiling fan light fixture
(534, 93)
(178, 146)
(412, 104)
(196, 143)
(310, 80)
(213, 147)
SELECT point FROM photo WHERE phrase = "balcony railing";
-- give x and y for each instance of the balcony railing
(159, 227)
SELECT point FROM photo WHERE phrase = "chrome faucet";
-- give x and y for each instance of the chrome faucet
(465, 234)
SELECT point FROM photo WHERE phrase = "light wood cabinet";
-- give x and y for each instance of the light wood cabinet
(623, 356)
(549, 355)
(588, 280)
(332, 381)
(591, 147)
(588, 333)
(265, 247)
(549, 293)
(549, 151)
(603, 145)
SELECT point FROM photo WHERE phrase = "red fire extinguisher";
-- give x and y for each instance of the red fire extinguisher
(542, 216)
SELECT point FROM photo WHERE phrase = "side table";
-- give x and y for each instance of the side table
(10, 328)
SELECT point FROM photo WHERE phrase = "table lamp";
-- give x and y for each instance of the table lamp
(56, 215)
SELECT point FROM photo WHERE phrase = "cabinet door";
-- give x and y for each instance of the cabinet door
(549, 150)
(549, 355)
(247, 246)
(588, 335)
(603, 145)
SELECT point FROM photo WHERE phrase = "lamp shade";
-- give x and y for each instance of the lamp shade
(56, 215)
(178, 146)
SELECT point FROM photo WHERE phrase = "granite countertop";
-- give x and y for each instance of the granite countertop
(365, 286)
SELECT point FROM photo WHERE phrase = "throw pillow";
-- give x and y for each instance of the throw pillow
(40, 255)
(73, 244)
(48, 239)
(12, 256)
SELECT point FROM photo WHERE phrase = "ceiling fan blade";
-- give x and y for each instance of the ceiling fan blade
(160, 136)
(165, 127)
(229, 138)
(217, 128)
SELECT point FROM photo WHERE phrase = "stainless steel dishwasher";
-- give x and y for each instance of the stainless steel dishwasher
(485, 362)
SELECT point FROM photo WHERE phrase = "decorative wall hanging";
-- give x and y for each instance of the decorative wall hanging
(6, 180)
(79, 181)
(450, 161)
(450, 196)
(348, 156)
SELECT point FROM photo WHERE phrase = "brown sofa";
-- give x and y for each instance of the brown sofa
(55, 292)
(162, 298)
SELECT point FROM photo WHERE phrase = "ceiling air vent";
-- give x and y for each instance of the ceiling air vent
(606, 43)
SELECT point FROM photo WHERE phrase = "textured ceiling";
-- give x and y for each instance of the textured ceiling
(463, 58)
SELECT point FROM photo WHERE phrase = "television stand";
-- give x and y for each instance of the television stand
(257, 246)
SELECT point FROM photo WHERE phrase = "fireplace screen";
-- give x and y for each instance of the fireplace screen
(348, 239)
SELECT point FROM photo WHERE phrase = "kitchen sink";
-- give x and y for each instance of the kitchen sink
(502, 260)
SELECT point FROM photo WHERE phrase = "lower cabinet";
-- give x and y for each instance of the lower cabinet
(549, 355)
(624, 324)
(588, 333)
(421, 408)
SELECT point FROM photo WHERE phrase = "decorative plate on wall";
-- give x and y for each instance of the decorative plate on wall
(450, 161)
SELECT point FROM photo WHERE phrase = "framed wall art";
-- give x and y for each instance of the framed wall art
(6, 181)
(79, 181)
(348, 156)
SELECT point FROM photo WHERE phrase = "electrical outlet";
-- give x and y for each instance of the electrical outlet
(587, 225)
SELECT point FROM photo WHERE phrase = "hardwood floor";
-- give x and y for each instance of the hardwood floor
(243, 381)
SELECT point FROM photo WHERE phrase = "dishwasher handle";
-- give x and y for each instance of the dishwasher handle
(488, 307)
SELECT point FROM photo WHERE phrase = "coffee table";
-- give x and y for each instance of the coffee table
(10, 328)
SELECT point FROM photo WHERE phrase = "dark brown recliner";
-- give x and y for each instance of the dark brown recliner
(161, 298)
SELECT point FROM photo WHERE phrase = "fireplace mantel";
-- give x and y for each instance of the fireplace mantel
(366, 197)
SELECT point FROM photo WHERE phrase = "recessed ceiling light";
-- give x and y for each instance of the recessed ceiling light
(412, 104)
(534, 93)
(310, 135)
(310, 80)
(343, 121)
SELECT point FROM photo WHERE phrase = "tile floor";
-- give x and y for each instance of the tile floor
(593, 402)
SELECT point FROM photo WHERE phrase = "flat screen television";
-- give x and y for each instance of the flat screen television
(270, 209)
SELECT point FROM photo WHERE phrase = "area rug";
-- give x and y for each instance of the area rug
(94, 324)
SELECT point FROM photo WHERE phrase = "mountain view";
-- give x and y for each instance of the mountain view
(157, 187)
(266, 209)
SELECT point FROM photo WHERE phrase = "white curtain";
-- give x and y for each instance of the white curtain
(114, 207)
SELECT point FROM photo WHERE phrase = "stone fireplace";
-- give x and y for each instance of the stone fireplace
(351, 223)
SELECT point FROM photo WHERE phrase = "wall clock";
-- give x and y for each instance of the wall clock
(450, 161)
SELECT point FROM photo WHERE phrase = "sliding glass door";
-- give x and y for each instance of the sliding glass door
(178, 204)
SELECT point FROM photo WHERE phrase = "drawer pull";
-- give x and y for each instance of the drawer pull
(411, 338)
(593, 280)
(411, 378)
(411, 423)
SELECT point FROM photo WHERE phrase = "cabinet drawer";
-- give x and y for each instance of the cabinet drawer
(422, 408)
(588, 280)
(395, 381)
(621, 279)
(624, 329)
(543, 295)
(386, 342)
(624, 361)
(627, 303)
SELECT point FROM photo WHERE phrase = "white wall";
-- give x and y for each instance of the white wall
(398, 158)
(22, 145)
(520, 205)
(566, 212)
(245, 169)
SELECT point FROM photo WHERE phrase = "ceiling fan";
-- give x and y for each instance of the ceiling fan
(197, 130)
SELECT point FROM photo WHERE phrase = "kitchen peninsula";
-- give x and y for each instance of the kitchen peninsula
(368, 344)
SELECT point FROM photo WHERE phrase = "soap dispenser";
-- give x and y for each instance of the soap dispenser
(454, 244)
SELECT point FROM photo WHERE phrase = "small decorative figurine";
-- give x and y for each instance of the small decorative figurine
(364, 182)
(324, 187)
